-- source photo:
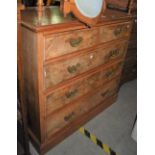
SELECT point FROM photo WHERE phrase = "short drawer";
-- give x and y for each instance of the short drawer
(115, 31)
(63, 70)
(64, 117)
(65, 43)
(78, 88)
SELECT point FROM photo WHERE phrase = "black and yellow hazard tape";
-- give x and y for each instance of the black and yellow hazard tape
(98, 142)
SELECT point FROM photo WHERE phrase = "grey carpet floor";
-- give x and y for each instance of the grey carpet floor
(113, 127)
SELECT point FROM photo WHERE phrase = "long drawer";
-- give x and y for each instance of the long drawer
(68, 42)
(58, 120)
(63, 70)
(62, 96)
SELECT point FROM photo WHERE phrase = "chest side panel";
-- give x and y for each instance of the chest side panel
(30, 75)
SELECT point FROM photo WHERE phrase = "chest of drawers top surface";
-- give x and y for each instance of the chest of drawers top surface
(52, 17)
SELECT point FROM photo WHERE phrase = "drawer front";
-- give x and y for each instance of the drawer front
(63, 96)
(60, 71)
(58, 120)
(115, 31)
(65, 43)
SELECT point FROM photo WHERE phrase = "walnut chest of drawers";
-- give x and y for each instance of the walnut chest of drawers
(71, 72)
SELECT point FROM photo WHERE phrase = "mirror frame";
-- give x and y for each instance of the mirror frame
(70, 6)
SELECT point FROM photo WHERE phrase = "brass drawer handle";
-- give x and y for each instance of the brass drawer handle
(118, 31)
(121, 29)
(113, 53)
(104, 93)
(108, 93)
(74, 68)
(71, 93)
(110, 74)
(75, 42)
(69, 117)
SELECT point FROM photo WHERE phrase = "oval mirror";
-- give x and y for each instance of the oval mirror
(87, 11)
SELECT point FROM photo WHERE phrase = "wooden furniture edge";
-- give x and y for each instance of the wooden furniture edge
(40, 70)
(74, 25)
